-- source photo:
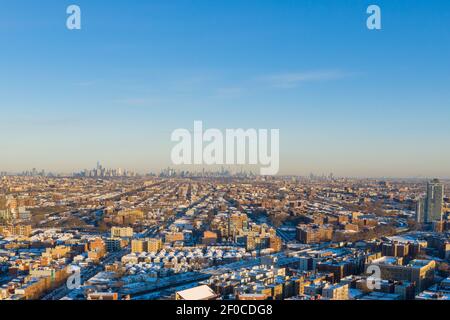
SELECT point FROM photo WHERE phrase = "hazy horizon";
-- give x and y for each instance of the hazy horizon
(233, 169)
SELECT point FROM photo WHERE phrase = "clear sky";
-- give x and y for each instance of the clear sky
(346, 99)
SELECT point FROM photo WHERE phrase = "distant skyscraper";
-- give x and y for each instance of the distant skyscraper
(435, 198)
(429, 209)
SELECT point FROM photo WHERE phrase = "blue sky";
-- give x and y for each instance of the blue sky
(346, 99)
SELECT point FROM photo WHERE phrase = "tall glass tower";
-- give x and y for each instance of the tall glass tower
(434, 201)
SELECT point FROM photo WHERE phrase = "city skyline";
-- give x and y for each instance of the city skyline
(197, 170)
(346, 99)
